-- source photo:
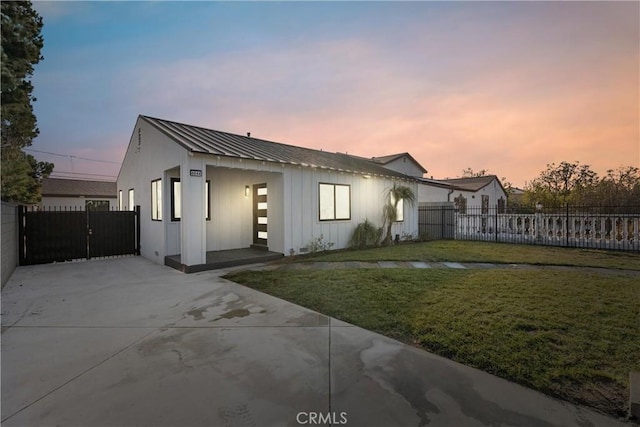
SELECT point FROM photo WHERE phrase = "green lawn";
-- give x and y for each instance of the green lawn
(465, 251)
(575, 335)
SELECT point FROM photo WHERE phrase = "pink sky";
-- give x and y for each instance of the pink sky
(506, 87)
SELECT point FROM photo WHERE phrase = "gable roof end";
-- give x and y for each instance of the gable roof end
(383, 160)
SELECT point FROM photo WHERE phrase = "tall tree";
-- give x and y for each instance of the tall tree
(577, 184)
(22, 42)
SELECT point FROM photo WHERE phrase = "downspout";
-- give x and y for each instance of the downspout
(449, 195)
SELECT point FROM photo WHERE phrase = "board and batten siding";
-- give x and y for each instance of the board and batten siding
(302, 222)
(231, 224)
(150, 153)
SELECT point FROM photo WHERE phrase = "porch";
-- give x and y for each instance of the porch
(224, 259)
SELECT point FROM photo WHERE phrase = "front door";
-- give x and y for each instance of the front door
(260, 215)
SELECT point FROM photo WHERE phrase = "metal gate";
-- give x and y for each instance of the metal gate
(436, 220)
(64, 235)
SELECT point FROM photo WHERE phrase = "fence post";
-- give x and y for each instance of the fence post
(137, 229)
(566, 234)
(495, 228)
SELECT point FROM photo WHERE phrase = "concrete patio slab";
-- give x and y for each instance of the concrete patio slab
(127, 342)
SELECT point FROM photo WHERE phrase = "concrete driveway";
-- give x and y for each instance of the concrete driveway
(124, 342)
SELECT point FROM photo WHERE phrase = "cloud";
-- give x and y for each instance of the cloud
(508, 90)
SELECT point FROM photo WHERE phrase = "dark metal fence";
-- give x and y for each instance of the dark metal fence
(67, 234)
(437, 220)
(596, 227)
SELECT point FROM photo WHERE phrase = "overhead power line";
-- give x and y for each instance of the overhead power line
(70, 156)
(81, 173)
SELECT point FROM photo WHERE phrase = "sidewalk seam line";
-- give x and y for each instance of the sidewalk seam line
(77, 376)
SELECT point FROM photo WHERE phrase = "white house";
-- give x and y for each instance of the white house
(402, 162)
(203, 191)
(76, 194)
(475, 193)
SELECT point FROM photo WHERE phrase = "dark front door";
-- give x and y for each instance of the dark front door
(260, 215)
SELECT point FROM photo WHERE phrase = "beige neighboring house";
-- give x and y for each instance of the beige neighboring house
(483, 191)
(76, 194)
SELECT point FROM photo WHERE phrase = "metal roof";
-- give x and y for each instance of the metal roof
(201, 140)
(76, 187)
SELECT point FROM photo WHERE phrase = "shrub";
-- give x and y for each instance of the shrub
(317, 244)
(365, 234)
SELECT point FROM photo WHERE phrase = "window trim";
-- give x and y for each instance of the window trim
(173, 201)
(156, 214)
(335, 204)
(207, 201)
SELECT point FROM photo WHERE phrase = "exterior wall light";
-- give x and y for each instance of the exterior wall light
(246, 191)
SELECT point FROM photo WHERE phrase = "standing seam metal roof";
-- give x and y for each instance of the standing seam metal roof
(208, 141)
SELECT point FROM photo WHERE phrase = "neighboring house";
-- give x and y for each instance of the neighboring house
(76, 194)
(403, 163)
(477, 192)
(202, 190)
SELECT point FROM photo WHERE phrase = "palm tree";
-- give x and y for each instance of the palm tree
(390, 209)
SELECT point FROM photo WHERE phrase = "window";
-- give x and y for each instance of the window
(399, 208)
(156, 200)
(334, 202)
(502, 206)
(461, 204)
(176, 201)
(176, 206)
(485, 204)
(120, 207)
(132, 206)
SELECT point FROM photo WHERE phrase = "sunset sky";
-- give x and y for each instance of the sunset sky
(507, 87)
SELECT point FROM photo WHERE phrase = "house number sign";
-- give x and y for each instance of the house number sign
(195, 172)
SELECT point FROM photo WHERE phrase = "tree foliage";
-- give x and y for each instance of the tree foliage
(390, 208)
(21, 45)
(578, 184)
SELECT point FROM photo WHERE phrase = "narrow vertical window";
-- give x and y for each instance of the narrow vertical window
(132, 206)
(156, 200)
(176, 201)
(399, 208)
(207, 187)
(120, 207)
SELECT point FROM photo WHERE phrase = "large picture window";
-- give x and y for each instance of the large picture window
(176, 202)
(334, 202)
(156, 200)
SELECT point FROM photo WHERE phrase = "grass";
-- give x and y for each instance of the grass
(465, 251)
(575, 335)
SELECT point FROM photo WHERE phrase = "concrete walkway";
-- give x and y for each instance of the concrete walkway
(340, 265)
(124, 342)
